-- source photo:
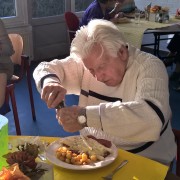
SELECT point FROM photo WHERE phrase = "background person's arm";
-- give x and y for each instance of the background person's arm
(3, 82)
(6, 48)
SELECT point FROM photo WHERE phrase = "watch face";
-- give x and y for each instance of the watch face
(82, 119)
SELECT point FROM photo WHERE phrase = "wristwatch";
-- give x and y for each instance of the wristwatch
(82, 119)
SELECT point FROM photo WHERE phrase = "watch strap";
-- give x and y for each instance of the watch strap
(82, 112)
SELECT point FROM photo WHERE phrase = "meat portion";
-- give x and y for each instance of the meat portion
(104, 142)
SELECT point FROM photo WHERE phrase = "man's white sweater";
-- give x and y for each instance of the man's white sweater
(135, 114)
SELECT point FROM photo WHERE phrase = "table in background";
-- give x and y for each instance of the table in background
(134, 33)
(159, 34)
(138, 166)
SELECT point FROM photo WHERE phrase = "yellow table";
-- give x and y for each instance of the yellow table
(138, 167)
(133, 32)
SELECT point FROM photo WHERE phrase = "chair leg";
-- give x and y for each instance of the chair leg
(14, 107)
(30, 90)
(177, 138)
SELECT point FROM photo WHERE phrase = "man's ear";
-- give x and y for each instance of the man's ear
(123, 53)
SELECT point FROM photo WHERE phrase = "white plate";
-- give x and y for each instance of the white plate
(124, 20)
(51, 156)
(177, 17)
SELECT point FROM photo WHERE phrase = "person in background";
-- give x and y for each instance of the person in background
(102, 9)
(177, 88)
(6, 65)
(174, 49)
(127, 6)
(123, 91)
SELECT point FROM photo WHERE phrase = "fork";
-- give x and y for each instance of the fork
(42, 157)
(110, 176)
(60, 105)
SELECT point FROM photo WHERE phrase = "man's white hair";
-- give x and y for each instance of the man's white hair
(97, 32)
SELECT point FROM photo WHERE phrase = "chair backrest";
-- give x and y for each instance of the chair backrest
(17, 42)
(177, 136)
(72, 22)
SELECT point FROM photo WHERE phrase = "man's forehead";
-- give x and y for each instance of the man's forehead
(94, 57)
(98, 50)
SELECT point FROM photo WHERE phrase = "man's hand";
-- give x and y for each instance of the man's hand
(116, 17)
(117, 6)
(53, 93)
(67, 117)
(119, 15)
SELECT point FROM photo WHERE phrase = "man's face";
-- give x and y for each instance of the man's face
(105, 68)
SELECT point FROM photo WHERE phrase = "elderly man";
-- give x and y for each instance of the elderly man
(123, 91)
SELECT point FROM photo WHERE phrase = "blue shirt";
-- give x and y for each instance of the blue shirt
(94, 11)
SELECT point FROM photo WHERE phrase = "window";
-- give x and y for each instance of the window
(17, 13)
(7, 8)
(81, 5)
(45, 8)
(14, 12)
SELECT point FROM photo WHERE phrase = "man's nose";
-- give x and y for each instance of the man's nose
(99, 76)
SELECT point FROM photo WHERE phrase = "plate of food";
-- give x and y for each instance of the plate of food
(123, 20)
(81, 152)
(177, 16)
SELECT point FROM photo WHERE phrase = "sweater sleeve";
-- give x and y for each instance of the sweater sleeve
(6, 48)
(66, 71)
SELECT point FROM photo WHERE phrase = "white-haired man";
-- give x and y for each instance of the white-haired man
(123, 91)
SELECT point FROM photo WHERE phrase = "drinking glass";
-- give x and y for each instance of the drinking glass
(137, 16)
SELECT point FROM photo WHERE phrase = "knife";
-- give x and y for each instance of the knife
(85, 142)
(60, 105)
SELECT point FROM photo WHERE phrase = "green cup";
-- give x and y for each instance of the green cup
(3, 140)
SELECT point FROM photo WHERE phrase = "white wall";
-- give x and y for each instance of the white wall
(50, 38)
(172, 4)
(20, 24)
(44, 38)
